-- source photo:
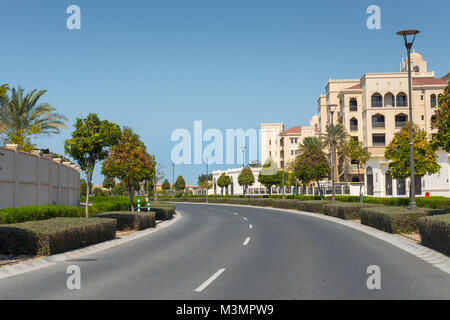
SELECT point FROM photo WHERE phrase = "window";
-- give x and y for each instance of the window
(353, 124)
(400, 120)
(389, 100)
(401, 187)
(353, 104)
(355, 138)
(294, 140)
(433, 118)
(401, 100)
(421, 97)
(378, 140)
(270, 142)
(377, 100)
(378, 121)
(433, 100)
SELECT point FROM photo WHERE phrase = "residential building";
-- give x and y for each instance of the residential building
(282, 145)
(373, 109)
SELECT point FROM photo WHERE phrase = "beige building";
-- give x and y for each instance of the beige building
(282, 145)
(375, 107)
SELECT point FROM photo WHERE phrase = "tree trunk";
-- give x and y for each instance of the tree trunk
(360, 185)
(87, 196)
(131, 195)
(154, 191)
(320, 191)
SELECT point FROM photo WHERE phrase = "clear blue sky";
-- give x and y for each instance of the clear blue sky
(159, 65)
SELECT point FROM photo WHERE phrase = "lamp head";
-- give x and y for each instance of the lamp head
(411, 34)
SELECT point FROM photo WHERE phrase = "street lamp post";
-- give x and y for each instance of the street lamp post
(207, 179)
(173, 179)
(408, 45)
(333, 156)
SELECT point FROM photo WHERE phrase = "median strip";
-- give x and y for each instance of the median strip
(210, 280)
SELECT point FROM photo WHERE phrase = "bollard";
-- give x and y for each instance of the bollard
(148, 205)
(139, 204)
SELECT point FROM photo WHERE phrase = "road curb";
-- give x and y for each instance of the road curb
(431, 256)
(39, 263)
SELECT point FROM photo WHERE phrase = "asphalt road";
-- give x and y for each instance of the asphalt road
(230, 252)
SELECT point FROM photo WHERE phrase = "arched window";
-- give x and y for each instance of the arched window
(389, 100)
(378, 121)
(377, 100)
(433, 101)
(353, 124)
(353, 104)
(369, 179)
(400, 120)
(416, 69)
(401, 100)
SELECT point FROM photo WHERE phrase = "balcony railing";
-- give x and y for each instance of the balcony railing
(378, 124)
(353, 127)
(400, 124)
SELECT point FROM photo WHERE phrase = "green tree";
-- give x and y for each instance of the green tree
(204, 181)
(311, 164)
(90, 143)
(354, 151)
(441, 122)
(3, 89)
(83, 187)
(129, 161)
(398, 153)
(180, 184)
(223, 182)
(21, 116)
(109, 183)
(159, 175)
(270, 178)
(246, 179)
(119, 189)
(165, 186)
(335, 137)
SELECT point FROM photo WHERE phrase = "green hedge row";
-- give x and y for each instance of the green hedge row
(127, 220)
(56, 235)
(36, 213)
(435, 232)
(394, 219)
(345, 210)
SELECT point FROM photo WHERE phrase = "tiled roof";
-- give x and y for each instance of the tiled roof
(296, 129)
(356, 86)
(428, 81)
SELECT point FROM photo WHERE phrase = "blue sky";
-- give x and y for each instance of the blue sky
(159, 65)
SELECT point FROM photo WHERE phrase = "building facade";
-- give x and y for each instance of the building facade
(373, 109)
(282, 145)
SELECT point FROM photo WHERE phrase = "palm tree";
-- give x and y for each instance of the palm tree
(22, 116)
(336, 137)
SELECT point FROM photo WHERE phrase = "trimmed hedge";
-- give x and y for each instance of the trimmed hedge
(56, 235)
(312, 205)
(435, 232)
(345, 210)
(34, 213)
(127, 220)
(44, 212)
(394, 219)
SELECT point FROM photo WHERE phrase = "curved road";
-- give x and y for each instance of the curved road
(232, 252)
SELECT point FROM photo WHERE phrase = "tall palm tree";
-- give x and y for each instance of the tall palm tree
(21, 115)
(336, 137)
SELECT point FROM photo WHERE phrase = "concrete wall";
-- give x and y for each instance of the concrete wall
(36, 179)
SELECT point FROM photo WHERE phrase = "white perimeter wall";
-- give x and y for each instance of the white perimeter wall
(36, 179)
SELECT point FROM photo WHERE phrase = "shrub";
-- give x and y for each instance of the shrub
(315, 206)
(127, 220)
(434, 202)
(345, 210)
(435, 232)
(35, 213)
(394, 219)
(52, 236)
(163, 213)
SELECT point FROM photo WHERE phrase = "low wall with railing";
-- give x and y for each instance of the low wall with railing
(36, 179)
